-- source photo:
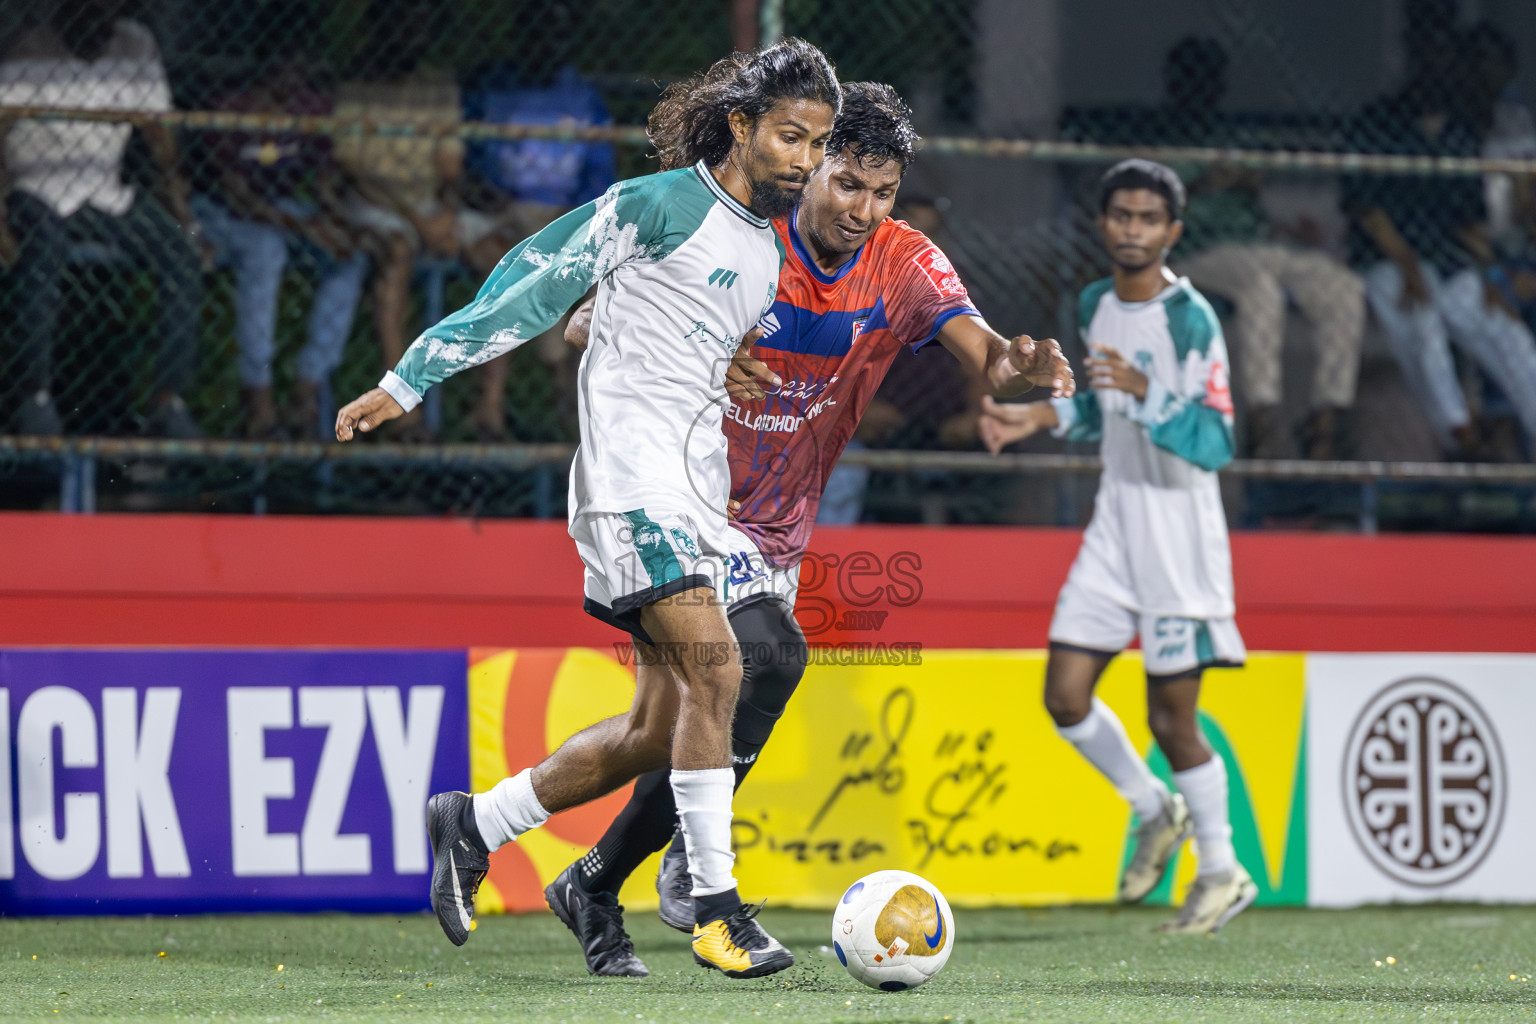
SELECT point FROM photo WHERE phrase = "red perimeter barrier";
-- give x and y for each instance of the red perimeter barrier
(286, 581)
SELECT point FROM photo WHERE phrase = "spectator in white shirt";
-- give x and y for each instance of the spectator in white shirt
(62, 182)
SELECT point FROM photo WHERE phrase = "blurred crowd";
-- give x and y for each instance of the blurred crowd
(363, 216)
(1441, 269)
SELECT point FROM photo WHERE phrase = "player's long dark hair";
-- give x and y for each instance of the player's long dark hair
(690, 123)
(874, 126)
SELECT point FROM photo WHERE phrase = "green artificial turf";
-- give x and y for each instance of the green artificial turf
(1079, 964)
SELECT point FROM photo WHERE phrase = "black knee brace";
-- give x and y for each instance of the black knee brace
(773, 657)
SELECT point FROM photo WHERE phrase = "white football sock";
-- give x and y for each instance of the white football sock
(1102, 740)
(1205, 790)
(704, 808)
(508, 809)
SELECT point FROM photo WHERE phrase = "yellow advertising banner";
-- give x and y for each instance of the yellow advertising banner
(947, 766)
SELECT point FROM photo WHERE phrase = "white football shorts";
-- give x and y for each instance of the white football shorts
(635, 558)
(1170, 645)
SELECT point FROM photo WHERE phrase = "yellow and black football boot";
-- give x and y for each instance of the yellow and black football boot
(737, 946)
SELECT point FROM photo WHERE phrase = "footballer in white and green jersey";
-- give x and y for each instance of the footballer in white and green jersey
(684, 263)
(682, 271)
(1158, 540)
(1155, 559)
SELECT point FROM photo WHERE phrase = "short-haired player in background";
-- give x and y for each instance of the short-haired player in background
(1155, 559)
(685, 262)
(856, 288)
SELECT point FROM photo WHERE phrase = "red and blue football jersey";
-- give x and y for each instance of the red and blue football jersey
(831, 340)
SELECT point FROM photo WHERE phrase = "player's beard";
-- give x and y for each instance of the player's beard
(771, 199)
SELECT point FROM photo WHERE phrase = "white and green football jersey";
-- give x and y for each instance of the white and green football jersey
(1158, 537)
(683, 271)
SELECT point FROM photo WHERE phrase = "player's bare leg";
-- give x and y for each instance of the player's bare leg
(464, 830)
(641, 736)
(695, 637)
(1222, 889)
(586, 894)
(1172, 705)
(1071, 673)
(1089, 725)
(604, 756)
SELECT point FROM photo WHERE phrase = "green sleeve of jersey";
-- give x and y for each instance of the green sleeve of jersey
(1088, 303)
(546, 274)
(1195, 419)
(1191, 430)
(1193, 422)
(1080, 417)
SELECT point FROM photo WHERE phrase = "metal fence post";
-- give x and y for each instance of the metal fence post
(1368, 508)
(543, 492)
(772, 24)
(435, 282)
(77, 483)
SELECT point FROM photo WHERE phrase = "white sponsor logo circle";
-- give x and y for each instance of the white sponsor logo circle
(1424, 782)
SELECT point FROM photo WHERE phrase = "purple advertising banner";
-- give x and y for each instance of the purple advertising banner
(179, 781)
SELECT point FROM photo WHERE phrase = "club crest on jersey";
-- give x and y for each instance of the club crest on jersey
(939, 271)
(858, 329)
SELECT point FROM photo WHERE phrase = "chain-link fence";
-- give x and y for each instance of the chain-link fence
(286, 191)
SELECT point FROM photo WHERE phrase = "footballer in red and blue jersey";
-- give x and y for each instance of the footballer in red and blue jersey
(856, 287)
(830, 338)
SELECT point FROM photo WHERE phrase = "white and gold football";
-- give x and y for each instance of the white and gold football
(893, 930)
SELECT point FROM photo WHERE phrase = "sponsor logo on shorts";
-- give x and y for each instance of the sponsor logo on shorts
(685, 542)
(1424, 782)
(1172, 637)
(745, 568)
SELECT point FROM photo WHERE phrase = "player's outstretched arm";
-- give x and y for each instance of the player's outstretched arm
(536, 283)
(366, 413)
(1008, 367)
(1001, 425)
(1043, 364)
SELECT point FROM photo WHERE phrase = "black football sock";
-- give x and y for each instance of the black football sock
(644, 826)
(712, 908)
(773, 658)
(469, 827)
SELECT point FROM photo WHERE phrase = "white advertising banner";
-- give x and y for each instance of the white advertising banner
(1421, 773)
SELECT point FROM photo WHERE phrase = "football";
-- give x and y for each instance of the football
(893, 930)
